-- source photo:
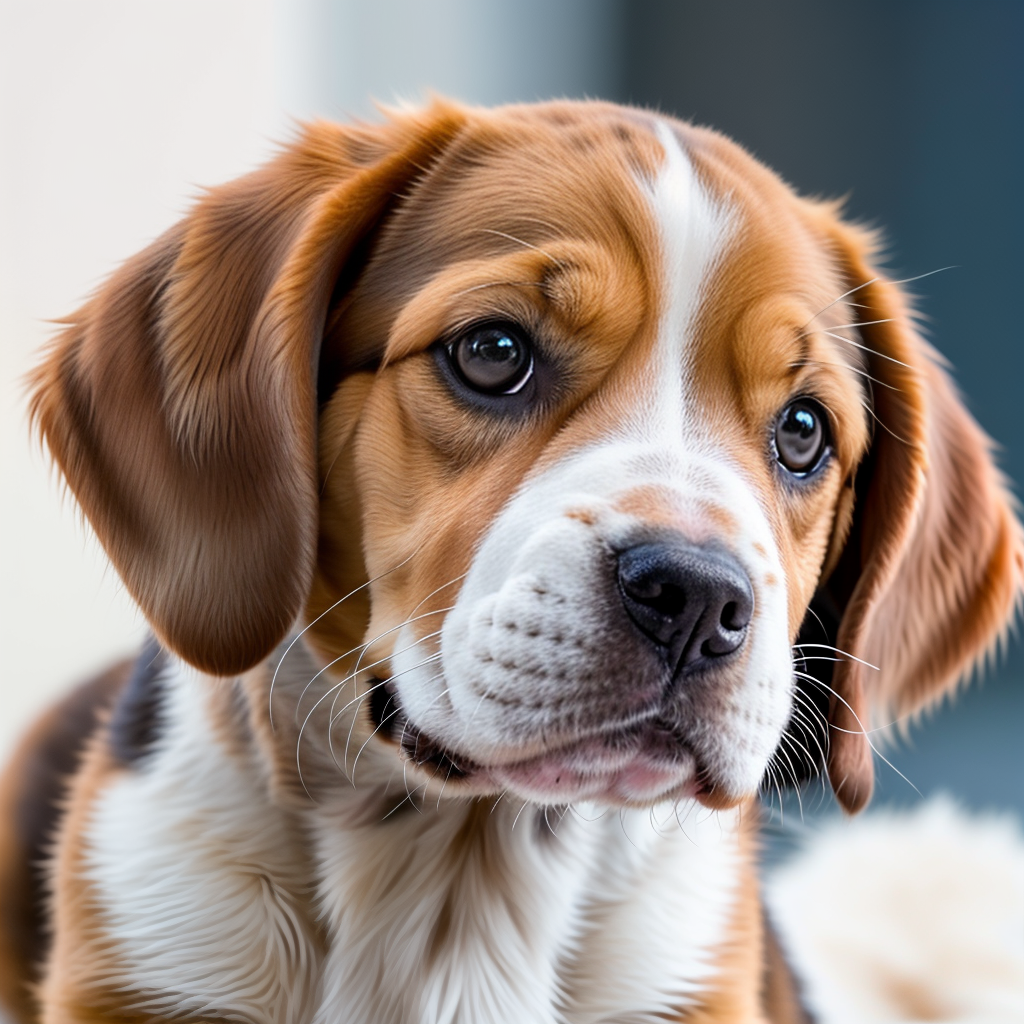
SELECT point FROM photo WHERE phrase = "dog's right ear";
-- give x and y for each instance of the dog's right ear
(932, 569)
(181, 402)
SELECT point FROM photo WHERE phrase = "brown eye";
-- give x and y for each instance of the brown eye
(495, 359)
(801, 436)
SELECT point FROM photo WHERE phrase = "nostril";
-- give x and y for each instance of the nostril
(729, 616)
(736, 614)
(668, 601)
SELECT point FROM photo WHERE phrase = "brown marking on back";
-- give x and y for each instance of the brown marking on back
(32, 798)
(72, 990)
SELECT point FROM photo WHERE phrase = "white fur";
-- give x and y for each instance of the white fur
(896, 917)
(612, 917)
(662, 888)
(695, 231)
(199, 878)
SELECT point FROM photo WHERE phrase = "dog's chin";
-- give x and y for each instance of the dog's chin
(633, 770)
(638, 766)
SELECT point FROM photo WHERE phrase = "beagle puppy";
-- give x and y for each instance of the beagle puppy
(510, 492)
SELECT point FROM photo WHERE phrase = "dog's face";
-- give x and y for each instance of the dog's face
(602, 463)
(602, 407)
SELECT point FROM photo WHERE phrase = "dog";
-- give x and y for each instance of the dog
(508, 492)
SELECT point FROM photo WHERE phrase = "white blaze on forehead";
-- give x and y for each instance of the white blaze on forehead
(694, 230)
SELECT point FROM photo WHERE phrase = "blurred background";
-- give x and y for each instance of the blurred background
(114, 112)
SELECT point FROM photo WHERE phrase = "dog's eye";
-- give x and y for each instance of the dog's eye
(801, 436)
(495, 359)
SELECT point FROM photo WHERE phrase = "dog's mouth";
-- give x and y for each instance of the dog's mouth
(391, 723)
(631, 766)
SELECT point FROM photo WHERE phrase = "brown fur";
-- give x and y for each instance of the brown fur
(32, 792)
(80, 955)
(249, 415)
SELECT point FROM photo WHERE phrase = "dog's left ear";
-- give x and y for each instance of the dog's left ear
(181, 402)
(932, 566)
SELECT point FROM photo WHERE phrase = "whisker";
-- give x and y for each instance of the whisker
(359, 698)
(369, 643)
(498, 284)
(794, 742)
(352, 775)
(408, 798)
(302, 631)
(813, 726)
(859, 323)
(394, 654)
(846, 366)
(840, 298)
(363, 647)
(521, 809)
(327, 693)
(863, 732)
(892, 433)
(871, 351)
(874, 280)
(836, 650)
(352, 724)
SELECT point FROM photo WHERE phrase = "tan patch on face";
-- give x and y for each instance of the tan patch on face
(661, 506)
(582, 515)
(571, 262)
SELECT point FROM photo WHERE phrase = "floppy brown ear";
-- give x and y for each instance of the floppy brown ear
(181, 402)
(933, 564)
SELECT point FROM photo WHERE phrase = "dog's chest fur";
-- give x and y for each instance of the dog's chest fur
(457, 911)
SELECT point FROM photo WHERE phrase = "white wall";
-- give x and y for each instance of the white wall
(337, 54)
(112, 112)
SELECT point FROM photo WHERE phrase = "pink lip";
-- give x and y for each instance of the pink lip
(592, 770)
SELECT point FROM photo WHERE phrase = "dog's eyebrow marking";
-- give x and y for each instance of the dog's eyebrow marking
(135, 720)
(694, 229)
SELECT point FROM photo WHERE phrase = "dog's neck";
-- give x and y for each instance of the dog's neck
(464, 910)
(460, 909)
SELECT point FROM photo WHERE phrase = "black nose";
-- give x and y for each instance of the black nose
(694, 602)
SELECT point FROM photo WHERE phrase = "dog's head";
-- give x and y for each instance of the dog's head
(596, 408)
